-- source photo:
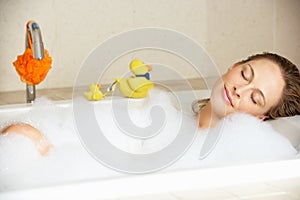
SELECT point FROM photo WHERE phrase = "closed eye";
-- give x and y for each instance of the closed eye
(243, 75)
(258, 98)
(253, 100)
(247, 73)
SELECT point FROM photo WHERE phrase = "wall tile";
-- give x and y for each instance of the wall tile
(229, 30)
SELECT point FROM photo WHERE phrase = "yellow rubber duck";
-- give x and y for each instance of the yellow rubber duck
(136, 86)
(94, 93)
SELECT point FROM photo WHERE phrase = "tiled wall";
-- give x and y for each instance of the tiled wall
(229, 30)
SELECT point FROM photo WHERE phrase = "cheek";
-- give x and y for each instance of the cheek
(216, 99)
(250, 108)
(232, 76)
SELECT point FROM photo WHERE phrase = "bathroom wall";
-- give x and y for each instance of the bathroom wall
(228, 30)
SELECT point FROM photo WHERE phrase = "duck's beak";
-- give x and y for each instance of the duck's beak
(149, 68)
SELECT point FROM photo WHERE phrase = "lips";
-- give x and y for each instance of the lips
(227, 97)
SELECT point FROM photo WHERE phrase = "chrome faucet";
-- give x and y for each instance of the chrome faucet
(34, 32)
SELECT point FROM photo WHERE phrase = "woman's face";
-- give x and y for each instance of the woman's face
(253, 87)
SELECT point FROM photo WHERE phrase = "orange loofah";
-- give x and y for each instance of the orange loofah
(30, 70)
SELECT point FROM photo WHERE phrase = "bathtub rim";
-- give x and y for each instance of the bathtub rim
(204, 178)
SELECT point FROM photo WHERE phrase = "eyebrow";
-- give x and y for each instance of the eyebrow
(261, 93)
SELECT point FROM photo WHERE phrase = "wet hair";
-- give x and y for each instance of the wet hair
(197, 105)
(289, 104)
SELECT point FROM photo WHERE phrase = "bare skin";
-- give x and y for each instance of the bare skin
(32, 133)
(253, 87)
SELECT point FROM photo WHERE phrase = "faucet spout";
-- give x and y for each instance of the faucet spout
(33, 40)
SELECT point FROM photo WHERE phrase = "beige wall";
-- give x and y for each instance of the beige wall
(228, 29)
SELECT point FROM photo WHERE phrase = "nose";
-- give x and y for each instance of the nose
(238, 90)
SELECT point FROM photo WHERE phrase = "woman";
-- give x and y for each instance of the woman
(264, 85)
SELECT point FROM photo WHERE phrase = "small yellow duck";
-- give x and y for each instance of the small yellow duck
(136, 86)
(94, 93)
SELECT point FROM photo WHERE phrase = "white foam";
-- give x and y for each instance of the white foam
(242, 139)
(69, 161)
(16, 153)
(139, 113)
(246, 138)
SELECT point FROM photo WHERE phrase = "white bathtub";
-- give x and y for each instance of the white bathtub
(74, 174)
